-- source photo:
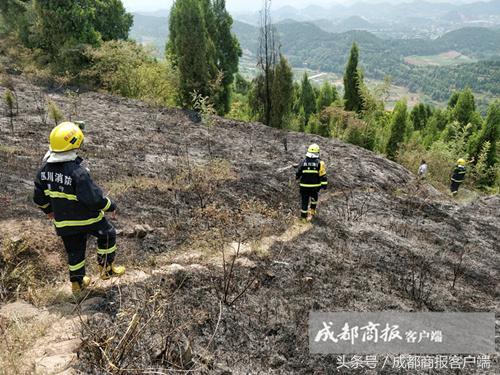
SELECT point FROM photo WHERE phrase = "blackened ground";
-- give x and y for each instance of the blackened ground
(203, 187)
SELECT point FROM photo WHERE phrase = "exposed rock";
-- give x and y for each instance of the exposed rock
(54, 364)
(19, 310)
(245, 262)
(142, 230)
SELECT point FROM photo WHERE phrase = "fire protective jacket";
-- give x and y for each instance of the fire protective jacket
(312, 173)
(67, 190)
(458, 174)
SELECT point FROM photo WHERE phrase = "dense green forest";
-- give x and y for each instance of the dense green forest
(89, 45)
(306, 45)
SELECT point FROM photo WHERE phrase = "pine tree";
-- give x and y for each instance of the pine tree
(419, 116)
(63, 29)
(112, 21)
(465, 107)
(398, 129)
(453, 99)
(62, 25)
(313, 124)
(307, 98)
(489, 133)
(282, 93)
(228, 52)
(327, 95)
(301, 118)
(241, 85)
(189, 48)
(296, 98)
(200, 34)
(352, 94)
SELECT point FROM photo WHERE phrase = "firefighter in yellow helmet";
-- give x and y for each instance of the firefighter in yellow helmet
(311, 174)
(458, 176)
(66, 193)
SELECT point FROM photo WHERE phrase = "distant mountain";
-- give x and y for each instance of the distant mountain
(477, 41)
(354, 23)
(306, 44)
(305, 41)
(428, 16)
(248, 35)
(150, 30)
(346, 24)
(481, 8)
(314, 12)
(164, 12)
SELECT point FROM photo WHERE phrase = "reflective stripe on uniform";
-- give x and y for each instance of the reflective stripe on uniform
(310, 171)
(78, 266)
(57, 194)
(324, 183)
(304, 212)
(78, 223)
(44, 206)
(310, 185)
(108, 205)
(457, 180)
(106, 251)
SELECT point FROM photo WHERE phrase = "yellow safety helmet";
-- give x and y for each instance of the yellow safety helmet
(313, 149)
(461, 162)
(65, 137)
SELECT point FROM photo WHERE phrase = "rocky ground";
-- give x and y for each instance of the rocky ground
(196, 194)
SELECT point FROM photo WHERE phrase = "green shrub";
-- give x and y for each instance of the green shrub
(55, 113)
(482, 174)
(240, 109)
(440, 159)
(126, 68)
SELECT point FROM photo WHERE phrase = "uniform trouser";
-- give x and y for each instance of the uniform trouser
(76, 246)
(308, 195)
(454, 186)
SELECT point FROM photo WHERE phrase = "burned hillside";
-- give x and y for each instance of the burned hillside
(221, 278)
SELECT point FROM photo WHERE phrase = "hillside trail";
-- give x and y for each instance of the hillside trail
(56, 351)
(401, 222)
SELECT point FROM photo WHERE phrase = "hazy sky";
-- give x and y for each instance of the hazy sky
(232, 5)
(248, 5)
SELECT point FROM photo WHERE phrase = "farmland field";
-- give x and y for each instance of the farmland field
(443, 59)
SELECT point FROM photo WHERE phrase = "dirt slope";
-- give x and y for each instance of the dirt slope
(191, 195)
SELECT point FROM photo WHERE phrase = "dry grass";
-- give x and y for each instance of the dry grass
(49, 295)
(154, 327)
(31, 257)
(123, 186)
(18, 336)
(8, 150)
(199, 178)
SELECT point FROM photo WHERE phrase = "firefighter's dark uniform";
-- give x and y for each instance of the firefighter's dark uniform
(457, 178)
(312, 175)
(66, 190)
